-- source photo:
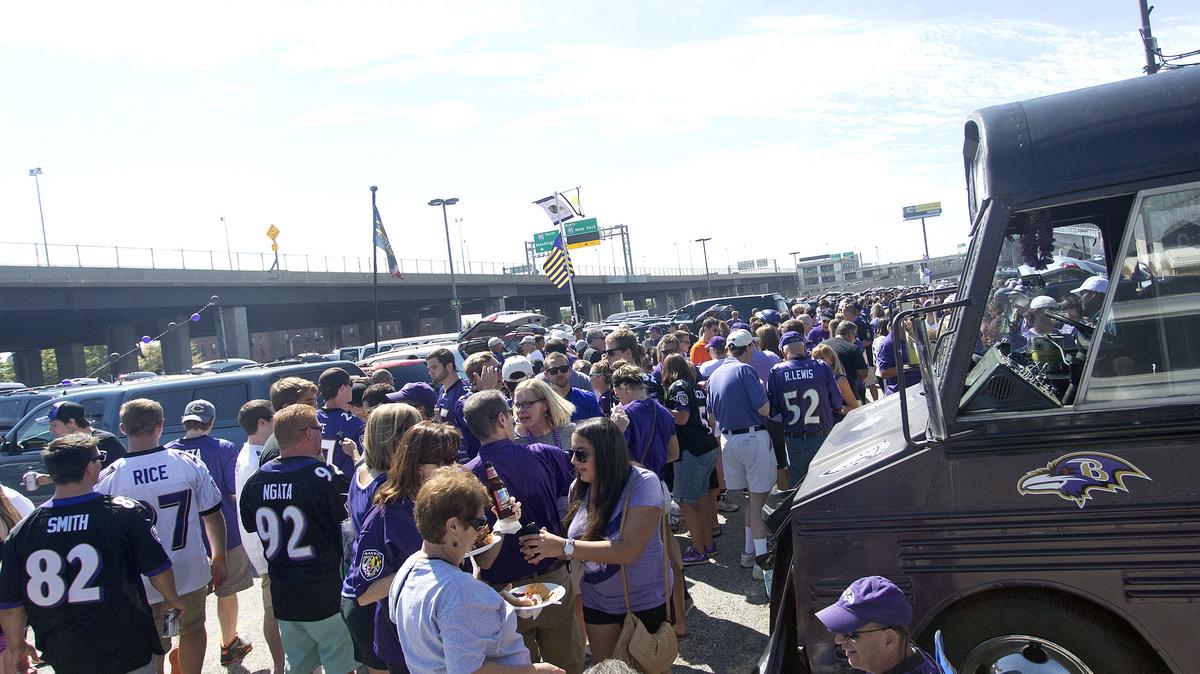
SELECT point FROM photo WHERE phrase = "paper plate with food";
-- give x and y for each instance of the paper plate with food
(529, 600)
(486, 540)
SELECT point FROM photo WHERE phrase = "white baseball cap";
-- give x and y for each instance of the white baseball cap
(1043, 302)
(1096, 284)
(495, 341)
(739, 338)
(516, 368)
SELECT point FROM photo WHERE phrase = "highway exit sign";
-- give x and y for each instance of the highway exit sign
(580, 234)
(929, 210)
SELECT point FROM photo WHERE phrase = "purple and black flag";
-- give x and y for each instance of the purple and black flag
(381, 241)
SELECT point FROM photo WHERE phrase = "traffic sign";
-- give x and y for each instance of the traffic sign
(929, 210)
(456, 304)
(580, 234)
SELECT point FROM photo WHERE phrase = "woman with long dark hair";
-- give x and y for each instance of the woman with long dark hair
(695, 492)
(614, 526)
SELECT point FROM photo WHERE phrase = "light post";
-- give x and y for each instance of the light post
(291, 347)
(796, 264)
(35, 172)
(704, 247)
(454, 304)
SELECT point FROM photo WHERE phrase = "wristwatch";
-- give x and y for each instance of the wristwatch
(569, 548)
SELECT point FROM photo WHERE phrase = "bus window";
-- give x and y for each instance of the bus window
(1149, 338)
(1028, 359)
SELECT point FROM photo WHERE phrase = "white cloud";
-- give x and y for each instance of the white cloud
(444, 116)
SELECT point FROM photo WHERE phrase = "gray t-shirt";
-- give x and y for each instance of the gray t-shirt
(561, 439)
(450, 622)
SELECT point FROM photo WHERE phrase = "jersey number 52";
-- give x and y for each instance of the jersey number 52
(810, 417)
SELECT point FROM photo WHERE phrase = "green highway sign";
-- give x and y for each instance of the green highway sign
(456, 304)
(580, 234)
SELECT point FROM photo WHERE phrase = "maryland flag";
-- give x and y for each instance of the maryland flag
(557, 266)
(381, 241)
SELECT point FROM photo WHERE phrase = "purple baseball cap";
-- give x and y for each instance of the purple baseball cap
(415, 392)
(789, 337)
(717, 342)
(873, 599)
(738, 325)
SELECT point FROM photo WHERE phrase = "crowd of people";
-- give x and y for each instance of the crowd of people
(404, 529)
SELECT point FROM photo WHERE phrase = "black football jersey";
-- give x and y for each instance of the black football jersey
(296, 506)
(75, 564)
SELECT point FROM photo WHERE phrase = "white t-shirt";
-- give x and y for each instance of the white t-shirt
(23, 505)
(247, 464)
(179, 490)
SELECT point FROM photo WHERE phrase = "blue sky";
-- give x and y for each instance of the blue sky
(768, 126)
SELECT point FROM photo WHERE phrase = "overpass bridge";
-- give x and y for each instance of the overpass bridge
(122, 298)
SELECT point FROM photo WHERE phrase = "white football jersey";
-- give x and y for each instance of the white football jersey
(178, 489)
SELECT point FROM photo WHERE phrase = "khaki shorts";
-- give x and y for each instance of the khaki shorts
(241, 574)
(192, 619)
(268, 605)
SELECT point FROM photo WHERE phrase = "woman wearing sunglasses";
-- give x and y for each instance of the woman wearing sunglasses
(448, 620)
(543, 416)
(389, 532)
(613, 526)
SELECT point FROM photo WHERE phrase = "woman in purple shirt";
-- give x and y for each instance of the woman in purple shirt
(388, 536)
(614, 525)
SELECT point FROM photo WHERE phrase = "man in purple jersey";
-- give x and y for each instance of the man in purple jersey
(444, 374)
(803, 394)
(820, 331)
(538, 476)
(557, 375)
(220, 457)
(334, 385)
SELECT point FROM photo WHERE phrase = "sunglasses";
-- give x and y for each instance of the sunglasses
(478, 523)
(580, 455)
(609, 352)
(101, 456)
(854, 636)
(669, 351)
(558, 370)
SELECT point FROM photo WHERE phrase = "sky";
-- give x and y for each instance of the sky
(770, 127)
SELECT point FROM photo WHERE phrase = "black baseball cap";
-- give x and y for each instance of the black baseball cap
(64, 411)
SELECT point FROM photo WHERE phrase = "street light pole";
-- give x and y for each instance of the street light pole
(455, 304)
(796, 264)
(35, 172)
(704, 247)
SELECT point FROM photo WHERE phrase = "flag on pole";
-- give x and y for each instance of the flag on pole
(558, 267)
(558, 208)
(381, 241)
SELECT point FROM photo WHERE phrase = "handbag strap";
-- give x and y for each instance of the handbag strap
(621, 533)
(650, 437)
(662, 532)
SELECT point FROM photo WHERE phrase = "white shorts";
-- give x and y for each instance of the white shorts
(749, 461)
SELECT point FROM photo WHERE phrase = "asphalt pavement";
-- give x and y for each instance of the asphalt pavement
(727, 628)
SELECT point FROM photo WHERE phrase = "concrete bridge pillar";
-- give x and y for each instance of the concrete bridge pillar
(119, 339)
(613, 303)
(27, 367)
(70, 360)
(176, 346)
(363, 333)
(233, 332)
(410, 323)
(661, 300)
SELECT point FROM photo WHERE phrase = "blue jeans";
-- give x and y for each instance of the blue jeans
(800, 452)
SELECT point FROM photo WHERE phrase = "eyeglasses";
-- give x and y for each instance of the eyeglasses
(558, 370)
(521, 405)
(101, 456)
(580, 455)
(478, 523)
(854, 636)
(667, 352)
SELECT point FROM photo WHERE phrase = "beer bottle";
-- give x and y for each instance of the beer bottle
(498, 491)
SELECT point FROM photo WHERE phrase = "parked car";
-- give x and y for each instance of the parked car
(693, 313)
(221, 365)
(505, 325)
(21, 450)
(408, 365)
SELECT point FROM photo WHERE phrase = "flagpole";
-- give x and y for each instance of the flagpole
(562, 230)
(374, 275)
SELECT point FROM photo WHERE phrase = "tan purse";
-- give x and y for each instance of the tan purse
(649, 653)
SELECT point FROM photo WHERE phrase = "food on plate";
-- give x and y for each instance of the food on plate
(484, 538)
(534, 594)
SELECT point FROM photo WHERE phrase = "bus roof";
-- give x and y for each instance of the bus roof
(1124, 133)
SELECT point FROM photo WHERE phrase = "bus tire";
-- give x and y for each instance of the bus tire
(1025, 630)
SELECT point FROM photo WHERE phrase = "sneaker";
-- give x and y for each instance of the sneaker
(765, 561)
(746, 560)
(727, 506)
(235, 652)
(693, 557)
(711, 549)
(757, 573)
(676, 522)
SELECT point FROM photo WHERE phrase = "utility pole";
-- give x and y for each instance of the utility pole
(796, 264)
(1148, 41)
(704, 247)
